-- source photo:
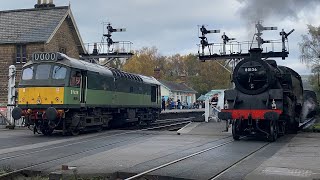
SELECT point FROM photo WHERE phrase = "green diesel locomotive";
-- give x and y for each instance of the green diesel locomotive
(57, 92)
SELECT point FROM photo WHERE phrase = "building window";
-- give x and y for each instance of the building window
(21, 53)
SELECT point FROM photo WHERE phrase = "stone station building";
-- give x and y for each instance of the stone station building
(44, 28)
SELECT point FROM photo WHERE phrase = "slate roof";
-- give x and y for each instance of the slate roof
(30, 25)
(178, 87)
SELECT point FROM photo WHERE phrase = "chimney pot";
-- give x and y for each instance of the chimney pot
(44, 4)
(156, 71)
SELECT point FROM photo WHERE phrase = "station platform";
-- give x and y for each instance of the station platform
(298, 159)
(168, 111)
(183, 113)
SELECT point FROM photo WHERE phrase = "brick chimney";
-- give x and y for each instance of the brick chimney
(44, 4)
(183, 78)
(156, 71)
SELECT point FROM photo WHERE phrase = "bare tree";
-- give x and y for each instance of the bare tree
(310, 48)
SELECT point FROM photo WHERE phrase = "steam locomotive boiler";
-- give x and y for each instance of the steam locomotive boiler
(267, 98)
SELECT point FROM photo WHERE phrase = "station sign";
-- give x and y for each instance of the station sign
(44, 57)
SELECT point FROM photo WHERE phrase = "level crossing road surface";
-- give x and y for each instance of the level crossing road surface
(200, 152)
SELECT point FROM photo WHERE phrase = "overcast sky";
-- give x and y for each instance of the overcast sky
(171, 25)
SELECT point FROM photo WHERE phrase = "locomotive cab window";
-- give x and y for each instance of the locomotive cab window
(43, 71)
(27, 73)
(59, 72)
(75, 79)
(44, 75)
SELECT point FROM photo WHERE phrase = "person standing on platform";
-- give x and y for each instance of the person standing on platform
(169, 103)
(163, 103)
(214, 100)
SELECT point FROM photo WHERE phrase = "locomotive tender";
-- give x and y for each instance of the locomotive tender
(57, 92)
(267, 98)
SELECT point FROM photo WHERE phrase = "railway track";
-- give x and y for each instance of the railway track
(162, 124)
(307, 123)
(159, 124)
(156, 126)
(215, 176)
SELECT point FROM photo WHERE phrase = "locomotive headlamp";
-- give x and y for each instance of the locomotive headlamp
(226, 105)
(29, 111)
(60, 113)
(38, 100)
(274, 105)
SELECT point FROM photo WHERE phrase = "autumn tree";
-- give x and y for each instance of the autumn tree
(211, 76)
(201, 76)
(310, 53)
(143, 62)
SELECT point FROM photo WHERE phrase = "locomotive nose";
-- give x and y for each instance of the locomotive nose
(16, 113)
(51, 114)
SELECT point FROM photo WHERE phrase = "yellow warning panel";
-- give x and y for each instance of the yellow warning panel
(41, 95)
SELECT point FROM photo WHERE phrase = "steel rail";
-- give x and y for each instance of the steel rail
(307, 123)
(79, 142)
(96, 148)
(62, 157)
(178, 160)
(239, 161)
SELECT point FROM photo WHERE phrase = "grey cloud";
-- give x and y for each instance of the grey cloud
(254, 10)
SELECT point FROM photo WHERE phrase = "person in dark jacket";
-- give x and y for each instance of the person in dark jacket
(163, 103)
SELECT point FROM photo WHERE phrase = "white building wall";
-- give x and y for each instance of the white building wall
(189, 98)
(165, 92)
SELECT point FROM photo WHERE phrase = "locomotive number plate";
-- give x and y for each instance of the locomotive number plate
(40, 57)
(250, 69)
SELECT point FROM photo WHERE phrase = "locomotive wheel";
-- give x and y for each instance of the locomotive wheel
(273, 131)
(47, 131)
(99, 128)
(235, 134)
(281, 126)
(75, 132)
(293, 128)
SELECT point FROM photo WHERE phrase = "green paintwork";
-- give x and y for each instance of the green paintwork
(71, 95)
(109, 98)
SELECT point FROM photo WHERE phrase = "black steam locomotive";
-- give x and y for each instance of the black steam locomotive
(267, 98)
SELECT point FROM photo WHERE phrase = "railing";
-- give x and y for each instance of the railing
(116, 47)
(235, 47)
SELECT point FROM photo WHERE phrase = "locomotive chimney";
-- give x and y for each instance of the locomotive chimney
(255, 53)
